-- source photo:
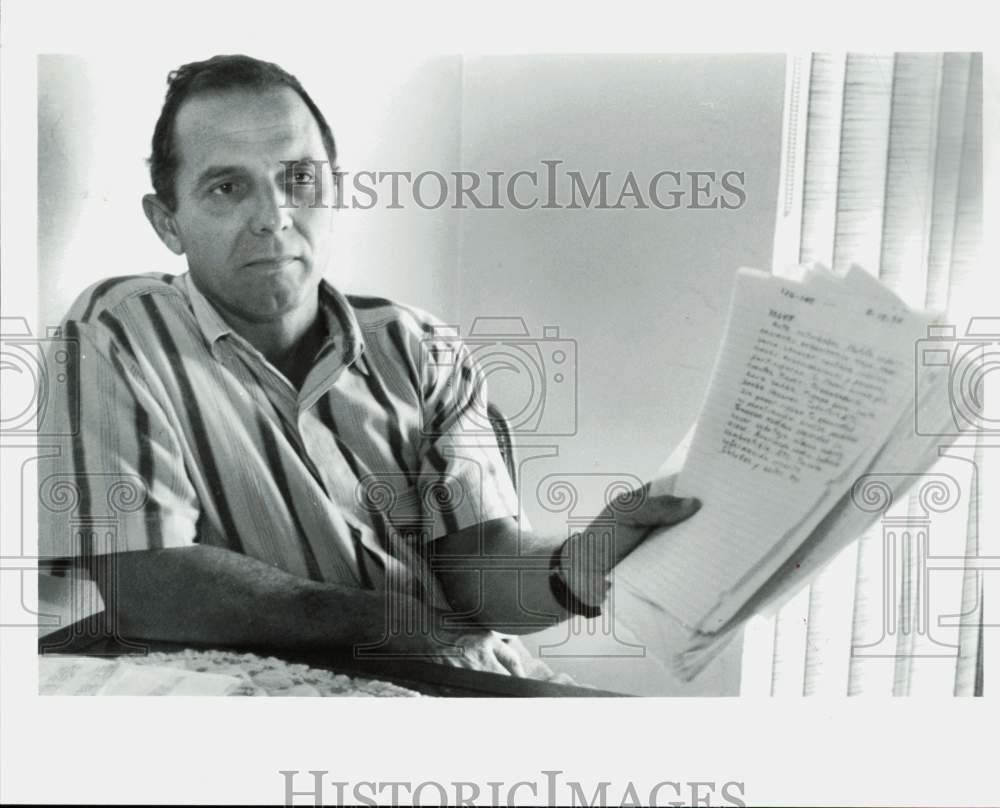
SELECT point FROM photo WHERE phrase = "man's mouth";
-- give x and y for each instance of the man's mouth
(271, 262)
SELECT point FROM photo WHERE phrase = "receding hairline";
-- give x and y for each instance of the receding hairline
(216, 95)
(183, 117)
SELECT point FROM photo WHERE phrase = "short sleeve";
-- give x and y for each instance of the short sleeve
(113, 477)
(463, 478)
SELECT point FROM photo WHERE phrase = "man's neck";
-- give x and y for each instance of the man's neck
(290, 343)
(296, 361)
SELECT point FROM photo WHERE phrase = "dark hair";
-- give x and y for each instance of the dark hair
(218, 74)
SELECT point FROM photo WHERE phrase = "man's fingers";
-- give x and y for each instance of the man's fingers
(663, 510)
(484, 651)
(509, 658)
(488, 661)
(630, 501)
(643, 507)
(476, 659)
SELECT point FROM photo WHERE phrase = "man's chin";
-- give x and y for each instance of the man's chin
(265, 296)
(279, 310)
(278, 304)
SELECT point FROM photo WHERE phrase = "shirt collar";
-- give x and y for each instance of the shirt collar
(342, 322)
(211, 323)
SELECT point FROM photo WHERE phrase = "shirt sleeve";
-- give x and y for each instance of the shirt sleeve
(463, 478)
(113, 478)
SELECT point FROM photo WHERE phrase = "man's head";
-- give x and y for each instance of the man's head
(218, 75)
(234, 170)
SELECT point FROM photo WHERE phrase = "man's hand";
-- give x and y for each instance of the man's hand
(628, 519)
(482, 650)
(498, 572)
(475, 648)
(637, 513)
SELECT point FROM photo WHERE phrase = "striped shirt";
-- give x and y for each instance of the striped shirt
(177, 430)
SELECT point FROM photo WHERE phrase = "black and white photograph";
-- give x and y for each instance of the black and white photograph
(413, 407)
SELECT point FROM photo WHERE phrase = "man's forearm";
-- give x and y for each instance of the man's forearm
(506, 587)
(498, 575)
(212, 595)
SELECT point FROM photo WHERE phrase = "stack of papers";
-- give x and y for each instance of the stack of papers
(817, 384)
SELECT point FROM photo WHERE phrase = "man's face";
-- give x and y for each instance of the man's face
(253, 258)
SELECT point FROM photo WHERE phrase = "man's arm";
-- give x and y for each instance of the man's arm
(494, 572)
(215, 596)
(497, 574)
(209, 594)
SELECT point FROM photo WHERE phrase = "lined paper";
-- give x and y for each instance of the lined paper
(814, 373)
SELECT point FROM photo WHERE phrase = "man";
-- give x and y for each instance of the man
(300, 463)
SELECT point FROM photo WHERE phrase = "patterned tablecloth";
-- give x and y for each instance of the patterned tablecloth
(269, 676)
(200, 672)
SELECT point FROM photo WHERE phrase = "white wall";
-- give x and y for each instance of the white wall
(642, 293)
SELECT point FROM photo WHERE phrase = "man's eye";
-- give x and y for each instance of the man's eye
(303, 177)
(224, 189)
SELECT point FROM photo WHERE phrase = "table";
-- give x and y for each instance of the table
(85, 638)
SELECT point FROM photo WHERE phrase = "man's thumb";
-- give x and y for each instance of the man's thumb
(669, 510)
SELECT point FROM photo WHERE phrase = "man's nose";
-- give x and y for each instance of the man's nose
(270, 215)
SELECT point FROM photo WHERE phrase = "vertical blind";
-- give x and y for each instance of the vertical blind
(882, 167)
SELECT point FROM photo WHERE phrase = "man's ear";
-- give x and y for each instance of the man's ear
(162, 219)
